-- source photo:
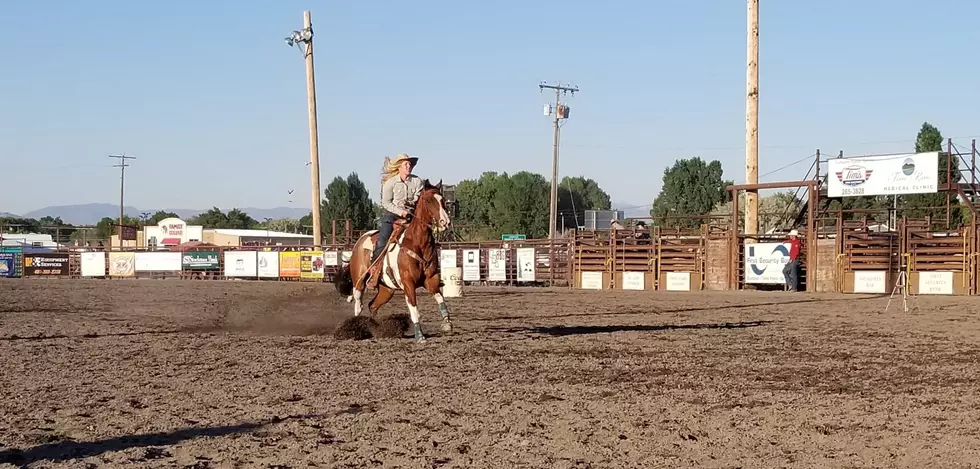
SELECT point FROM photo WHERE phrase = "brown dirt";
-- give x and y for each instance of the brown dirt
(153, 373)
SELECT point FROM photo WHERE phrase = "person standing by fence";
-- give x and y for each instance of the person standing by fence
(791, 271)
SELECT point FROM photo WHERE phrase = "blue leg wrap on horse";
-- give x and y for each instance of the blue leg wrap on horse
(418, 330)
(444, 310)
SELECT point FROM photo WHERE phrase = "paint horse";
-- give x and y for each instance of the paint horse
(409, 261)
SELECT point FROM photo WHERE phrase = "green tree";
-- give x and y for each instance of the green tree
(216, 219)
(776, 211)
(918, 206)
(106, 227)
(691, 187)
(521, 204)
(575, 196)
(286, 225)
(19, 225)
(475, 201)
(160, 215)
(345, 199)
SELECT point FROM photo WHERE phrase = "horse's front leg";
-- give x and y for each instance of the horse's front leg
(358, 305)
(411, 299)
(434, 287)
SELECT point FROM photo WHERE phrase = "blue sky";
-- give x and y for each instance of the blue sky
(212, 102)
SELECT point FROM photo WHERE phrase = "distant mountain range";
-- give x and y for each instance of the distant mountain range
(90, 214)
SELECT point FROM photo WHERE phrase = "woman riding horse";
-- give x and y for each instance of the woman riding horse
(400, 190)
(412, 263)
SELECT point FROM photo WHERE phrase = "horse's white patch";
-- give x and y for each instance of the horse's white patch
(443, 216)
(413, 311)
(391, 259)
(357, 302)
(368, 242)
(439, 298)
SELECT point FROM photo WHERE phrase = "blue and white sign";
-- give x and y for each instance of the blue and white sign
(764, 262)
(913, 173)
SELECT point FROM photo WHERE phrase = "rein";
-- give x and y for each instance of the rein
(426, 263)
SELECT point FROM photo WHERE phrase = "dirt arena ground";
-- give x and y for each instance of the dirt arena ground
(206, 374)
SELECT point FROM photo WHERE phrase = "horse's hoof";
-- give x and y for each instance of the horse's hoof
(350, 298)
(446, 327)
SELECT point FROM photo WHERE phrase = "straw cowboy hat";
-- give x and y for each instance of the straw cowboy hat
(414, 160)
(793, 232)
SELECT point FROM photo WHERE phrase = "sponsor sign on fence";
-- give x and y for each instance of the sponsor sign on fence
(268, 264)
(497, 265)
(311, 264)
(869, 281)
(471, 265)
(935, 283)
(633, 281)
(8, 264)
(447, 259)
(240, 264)
(681, 281)
(289, 264)
(200, 260)
(47, 264)
(158, 262)
(525, 264)
(764, 262)
(914, 173)
(122, 264)
(93, 264)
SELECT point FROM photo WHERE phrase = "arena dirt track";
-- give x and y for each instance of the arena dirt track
(206, 374)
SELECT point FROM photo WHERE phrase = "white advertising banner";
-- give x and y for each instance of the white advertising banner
(525, 264)
(633, 281)
(447, 259)
(267, 264)
(471, 265)
(869, 281)
(241, 264)
(497, 265)
(591, 281)
(764, 262)
(331, 258)
(93, 264)
(681, 281)
(159, 261)
(913, 173)
(935, 283)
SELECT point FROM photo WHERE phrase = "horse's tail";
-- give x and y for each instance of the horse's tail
(344, 282)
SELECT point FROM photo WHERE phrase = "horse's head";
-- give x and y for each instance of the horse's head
(431, 207)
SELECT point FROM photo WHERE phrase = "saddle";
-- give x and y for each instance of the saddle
(398, 226)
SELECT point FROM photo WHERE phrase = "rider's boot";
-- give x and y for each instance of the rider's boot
(375, 271)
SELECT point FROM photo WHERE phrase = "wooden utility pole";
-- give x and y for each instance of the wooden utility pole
(752, 120)
(305, 37)
(122, 183)
(559, 112)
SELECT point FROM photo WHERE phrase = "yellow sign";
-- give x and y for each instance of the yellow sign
(289, 264)
(311, 264)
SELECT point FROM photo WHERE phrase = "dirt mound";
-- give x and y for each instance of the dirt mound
(393, 326)
(363, 327)
(356, 328)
